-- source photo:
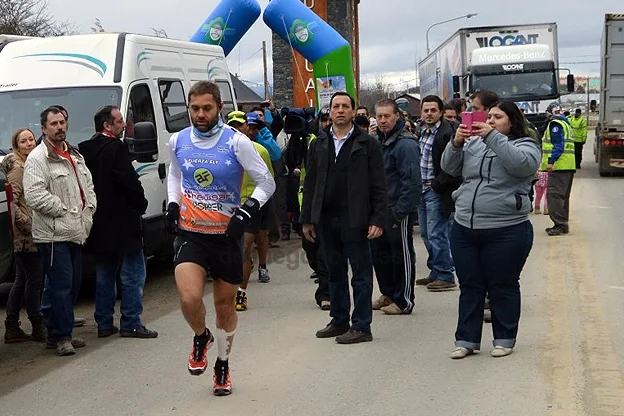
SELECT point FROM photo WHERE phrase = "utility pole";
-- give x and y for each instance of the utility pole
(266, 71)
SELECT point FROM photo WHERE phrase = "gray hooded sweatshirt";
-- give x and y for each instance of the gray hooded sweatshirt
(497, 173)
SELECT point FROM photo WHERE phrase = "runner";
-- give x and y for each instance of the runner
(257, 228)
(205, 175)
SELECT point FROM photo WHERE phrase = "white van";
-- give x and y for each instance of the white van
(147, 77)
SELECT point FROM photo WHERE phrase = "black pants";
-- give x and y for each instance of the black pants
(281, 206)
(558, 196)
(489, 261)
(27, 286)
(343, 245)
(316, 260)
(394, 260)
(578, 153)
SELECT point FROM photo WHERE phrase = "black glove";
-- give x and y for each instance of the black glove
(172, 217)
(240, 219)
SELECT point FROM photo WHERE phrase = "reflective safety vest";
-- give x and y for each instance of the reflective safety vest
(303, 174)
(567, 160)
(579, 129)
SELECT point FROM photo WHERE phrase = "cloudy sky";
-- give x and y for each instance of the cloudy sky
(392, 32)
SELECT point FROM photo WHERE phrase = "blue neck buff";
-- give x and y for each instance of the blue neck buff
(210, 133)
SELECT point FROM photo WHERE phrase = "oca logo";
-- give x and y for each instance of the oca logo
(513, 67)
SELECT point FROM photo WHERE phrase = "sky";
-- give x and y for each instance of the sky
(392, 32)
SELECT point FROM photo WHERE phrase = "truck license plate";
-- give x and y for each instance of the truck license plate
(616, 163)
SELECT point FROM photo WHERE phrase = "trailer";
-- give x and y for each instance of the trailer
(609, 141)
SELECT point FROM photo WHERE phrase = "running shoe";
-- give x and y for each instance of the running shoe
(198, 359)
(241, 301)
(222, 382)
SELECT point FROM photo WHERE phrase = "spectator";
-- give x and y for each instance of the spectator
(362, 111)
(393, 253)
(116, 238)
(63, 211)
(29, 276)
(362, 122)
(451, 115)
(344, 204)
(492, 235)
(436, 203)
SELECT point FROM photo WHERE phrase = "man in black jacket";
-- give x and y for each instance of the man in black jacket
(345, 200)
(436, 203)
(116, 238)
(393, 253)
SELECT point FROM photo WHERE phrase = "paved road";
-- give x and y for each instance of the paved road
(568, 360)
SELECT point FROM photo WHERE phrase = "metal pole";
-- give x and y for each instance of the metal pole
(266, 71)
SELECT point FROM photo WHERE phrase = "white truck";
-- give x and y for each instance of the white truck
(609, 142)
(518, 62)
(147, 77)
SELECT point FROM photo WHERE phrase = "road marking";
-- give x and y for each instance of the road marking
(617, 287)
(580, 349)
(598, 207)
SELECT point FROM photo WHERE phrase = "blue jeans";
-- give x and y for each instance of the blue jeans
(62, 267)
(490, 261)
(341, 245)
(434, 230)
(132, 281)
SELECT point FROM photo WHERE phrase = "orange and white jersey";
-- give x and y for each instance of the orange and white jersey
(205, 177)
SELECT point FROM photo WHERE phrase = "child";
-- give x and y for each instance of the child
(541, 187)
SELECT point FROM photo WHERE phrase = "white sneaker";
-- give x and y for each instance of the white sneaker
(499, 351)
(461, 352)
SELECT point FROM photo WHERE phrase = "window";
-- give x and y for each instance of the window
(140, 108)
(226, 97)
(174, 105)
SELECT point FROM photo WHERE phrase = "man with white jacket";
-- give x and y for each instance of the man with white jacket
(59, 189)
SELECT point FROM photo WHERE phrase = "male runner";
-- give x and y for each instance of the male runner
(257, 228)
(205, 175)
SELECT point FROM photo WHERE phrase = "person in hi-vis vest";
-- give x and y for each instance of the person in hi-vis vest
(559, 160)
(579, 135)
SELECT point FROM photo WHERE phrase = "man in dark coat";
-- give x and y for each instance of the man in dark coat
(116, 238)
(345, 203)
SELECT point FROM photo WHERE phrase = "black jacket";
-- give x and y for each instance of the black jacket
(117, 224)
(366, 181)
(401, 153)
(443, 183)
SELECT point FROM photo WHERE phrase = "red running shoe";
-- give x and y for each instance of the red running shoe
(198, 362)
(222, 382)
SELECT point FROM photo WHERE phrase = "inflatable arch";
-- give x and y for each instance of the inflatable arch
(296, 24)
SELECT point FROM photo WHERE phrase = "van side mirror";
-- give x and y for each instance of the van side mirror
(570, 83)
(456, 84)
(143, 147)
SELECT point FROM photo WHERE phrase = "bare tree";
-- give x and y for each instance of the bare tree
(30, 18)
(371, 92)
(97, 26)
(159, 33)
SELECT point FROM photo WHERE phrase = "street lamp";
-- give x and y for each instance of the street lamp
(468, 16)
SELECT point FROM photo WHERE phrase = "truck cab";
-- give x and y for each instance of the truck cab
(525, 74)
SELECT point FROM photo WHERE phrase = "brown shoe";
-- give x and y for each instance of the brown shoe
(354, 337)
(392, 309)
(424, 282)
(331, 331)
(441, 286)
(381, 302)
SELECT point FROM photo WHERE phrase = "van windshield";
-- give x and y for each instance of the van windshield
(22, 109)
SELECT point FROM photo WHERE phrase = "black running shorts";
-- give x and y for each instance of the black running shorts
(219, 255)
(260, 220)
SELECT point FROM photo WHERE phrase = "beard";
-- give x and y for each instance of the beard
(206, 128)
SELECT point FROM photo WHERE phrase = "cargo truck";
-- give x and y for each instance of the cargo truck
(609, 143)
(518, 62)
